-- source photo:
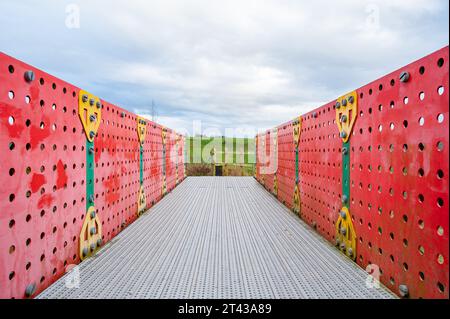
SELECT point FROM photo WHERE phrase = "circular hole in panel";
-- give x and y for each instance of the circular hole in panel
(421, 250)
(441, 287)
(421, 198)
(421, 276)
(405, 242)
(441, 90)
(421, 147)
(405, 148)
(421, 224)
(421, 172)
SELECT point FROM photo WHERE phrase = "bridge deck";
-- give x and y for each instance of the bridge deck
(218, 237)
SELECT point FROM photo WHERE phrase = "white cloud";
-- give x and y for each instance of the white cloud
(233, 63)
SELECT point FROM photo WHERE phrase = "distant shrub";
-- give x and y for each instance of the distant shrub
(199, 170)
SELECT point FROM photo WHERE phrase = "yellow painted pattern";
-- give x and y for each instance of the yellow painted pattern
(346, 114)
(142, 129)
(296, 205)
(90, 113)
(297, 128)
(142, 201)
(91, 234)
(345, 234)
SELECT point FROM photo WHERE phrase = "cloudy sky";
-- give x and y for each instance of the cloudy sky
(247, 64)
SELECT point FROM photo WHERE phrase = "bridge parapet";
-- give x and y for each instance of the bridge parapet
(395, 159)
(48, 160)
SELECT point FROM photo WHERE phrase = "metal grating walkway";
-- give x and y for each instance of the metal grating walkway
(218, 237)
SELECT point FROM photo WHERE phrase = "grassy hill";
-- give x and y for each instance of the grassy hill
(227, 150)
(237, 155)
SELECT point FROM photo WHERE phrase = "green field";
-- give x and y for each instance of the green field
(226, 150)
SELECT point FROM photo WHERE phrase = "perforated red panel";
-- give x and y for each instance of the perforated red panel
(43, 175)
(171, 160)
(268, 178)
(258, 158)
(398, 172)
(153, 163)
(399, 177)
(286, 164)
(180, 159)
(116, 169)
(320, 171)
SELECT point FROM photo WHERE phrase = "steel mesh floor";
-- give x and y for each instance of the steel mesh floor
(218, 237)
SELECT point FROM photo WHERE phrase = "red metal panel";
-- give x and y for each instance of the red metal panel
(171, 158)
(153, 163)
(269, 173)
(116, 169)
(320, 171)
(258, 158)
(180, 158)
(286, 164)
(43, 179)
(399, 177)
